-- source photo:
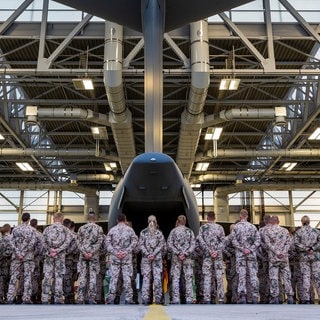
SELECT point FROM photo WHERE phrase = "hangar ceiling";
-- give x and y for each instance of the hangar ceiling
(277, 64)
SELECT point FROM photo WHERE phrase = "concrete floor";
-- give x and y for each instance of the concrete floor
(171, 312)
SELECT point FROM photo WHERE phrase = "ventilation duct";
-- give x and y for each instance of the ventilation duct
(240, 113)
(72, 113)
(119, 117)
(192, 117)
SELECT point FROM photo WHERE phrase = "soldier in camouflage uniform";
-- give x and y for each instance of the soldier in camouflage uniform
(102, 272)
(121, 241)
(231, 272)
(57, 239)
(152, 245)
(212, 241)
(23, 243)
(277, 241)
(246, 240)
(38, 263)
(263, 262)
(72, 254)
(197, 270)
(89, 240)
(181, 244)
(5, 261)
(307, 243)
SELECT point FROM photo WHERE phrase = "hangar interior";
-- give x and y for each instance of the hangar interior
(79, 143)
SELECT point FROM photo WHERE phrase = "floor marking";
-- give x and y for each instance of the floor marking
(156, 312)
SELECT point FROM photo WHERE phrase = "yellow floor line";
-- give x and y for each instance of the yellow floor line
(156, 312)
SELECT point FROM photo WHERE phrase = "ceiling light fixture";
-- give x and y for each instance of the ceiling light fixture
(24, 166)
(1, 137)
(288, 166)
(84, 83)
(214, 135)
(202, 166)
(99, 133)
(110, 166)
(231, 82)
(315, 135)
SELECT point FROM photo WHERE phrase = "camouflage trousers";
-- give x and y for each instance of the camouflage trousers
(278, 271)
(37, 277)
(264, 283)
(4, 277)
(152, 274)
(116, 270)
(232, 280)
(21, 270)
(310, 271)
(100, 295)
(213, 272)
(247, 270)
(54, 270)
(69, 279)
(178, 267)
(88, 271)
(198, 278)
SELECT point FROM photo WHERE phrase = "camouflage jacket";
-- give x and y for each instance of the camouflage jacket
(23, 242)
(307, 240)
(277, 241)
(181, 240)
(6, 248)
(212, 238)
(56, 236)
(229, 250)
(263, 250)
(72, 251)
(245, 236)
(39, 247)
(152, 243)
(121, 238)
(89, 239)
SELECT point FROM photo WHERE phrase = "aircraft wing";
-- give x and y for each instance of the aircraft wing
(178, 12)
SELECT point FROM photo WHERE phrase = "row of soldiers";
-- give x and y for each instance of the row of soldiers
(285, 264)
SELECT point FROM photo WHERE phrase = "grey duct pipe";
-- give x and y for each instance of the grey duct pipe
(237, 153)
(240, 187)
(95, 177)
(243, 153)
(72, 113)
(192, 117)
(55, 153)
(120, 117)
(243, 113)
(47, 186)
